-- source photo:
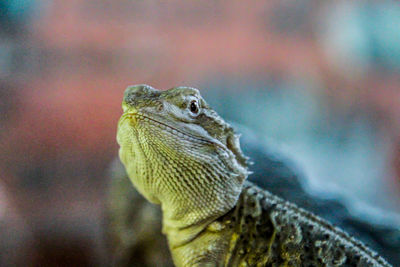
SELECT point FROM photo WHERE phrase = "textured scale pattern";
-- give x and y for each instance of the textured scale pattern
(269, 231)
(189, 161)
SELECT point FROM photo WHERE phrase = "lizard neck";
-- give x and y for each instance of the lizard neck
(187, 221)
(185, 216)
(193, 188)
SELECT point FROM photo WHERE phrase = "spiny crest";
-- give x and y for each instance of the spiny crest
(226, 134)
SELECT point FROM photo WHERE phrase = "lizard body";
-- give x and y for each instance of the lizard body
(179, 153)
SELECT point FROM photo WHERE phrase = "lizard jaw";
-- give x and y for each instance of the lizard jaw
(135, 117)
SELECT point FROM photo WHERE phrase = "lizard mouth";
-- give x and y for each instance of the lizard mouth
(136, 116)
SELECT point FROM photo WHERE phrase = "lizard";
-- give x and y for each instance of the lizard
(179, 153)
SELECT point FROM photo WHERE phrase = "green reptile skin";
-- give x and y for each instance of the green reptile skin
(180, 154)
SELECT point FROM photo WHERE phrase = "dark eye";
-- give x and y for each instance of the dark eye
(194, 108)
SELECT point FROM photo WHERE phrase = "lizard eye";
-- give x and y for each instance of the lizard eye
(194, 107)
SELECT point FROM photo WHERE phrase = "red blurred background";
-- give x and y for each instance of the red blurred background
(64, 66)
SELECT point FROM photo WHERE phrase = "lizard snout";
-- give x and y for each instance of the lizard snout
(136, 96)
(139, 91)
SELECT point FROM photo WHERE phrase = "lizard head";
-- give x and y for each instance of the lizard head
(176, 149)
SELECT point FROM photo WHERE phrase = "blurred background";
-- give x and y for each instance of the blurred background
(319, 79)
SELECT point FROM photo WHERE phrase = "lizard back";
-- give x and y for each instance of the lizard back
(268, 231)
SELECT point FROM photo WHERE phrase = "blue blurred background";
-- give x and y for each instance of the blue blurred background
(318, 79)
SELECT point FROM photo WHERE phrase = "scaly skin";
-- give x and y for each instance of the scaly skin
(180, 154)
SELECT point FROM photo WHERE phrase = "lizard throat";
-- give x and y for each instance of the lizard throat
(195, 179)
